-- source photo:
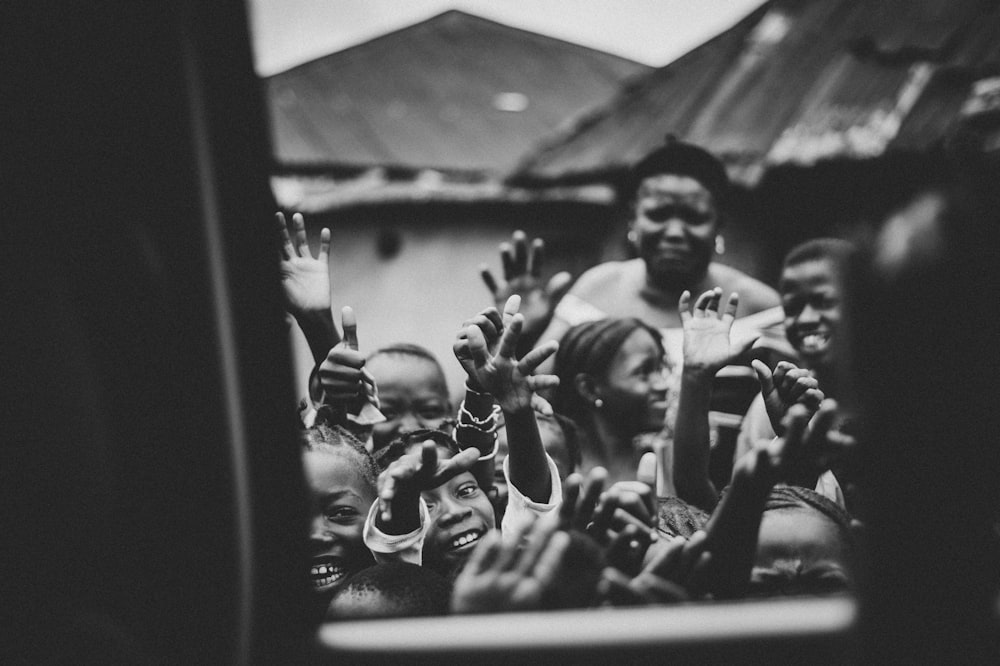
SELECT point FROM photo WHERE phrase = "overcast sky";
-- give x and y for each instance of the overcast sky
(655, 32)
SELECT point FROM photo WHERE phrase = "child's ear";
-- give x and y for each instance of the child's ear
(586, 387)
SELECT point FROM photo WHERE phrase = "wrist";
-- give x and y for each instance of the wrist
(698, 372)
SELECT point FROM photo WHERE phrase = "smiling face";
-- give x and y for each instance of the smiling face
(675, 223)
(634, 387)
(811, 298)
(340, 498)
(413, 394)
(460, 514)
(799, 551)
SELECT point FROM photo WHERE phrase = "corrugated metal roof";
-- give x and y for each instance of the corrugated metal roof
(795, 82)
(455, 92)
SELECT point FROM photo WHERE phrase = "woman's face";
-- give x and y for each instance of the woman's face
(340, 498)
(413, 394)
(675, 223)
(634, 388)
(799, 551)
(460, 514)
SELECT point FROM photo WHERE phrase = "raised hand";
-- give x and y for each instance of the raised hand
(786, 386)
(400, 484)
(343, 379)
(506, 577)
(492, 325)
(306, 280)
(522, 270)
(509, 381)
(676, 569)
(707, 343)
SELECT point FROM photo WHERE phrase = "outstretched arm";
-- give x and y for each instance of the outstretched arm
(707, 348)
(306, 283)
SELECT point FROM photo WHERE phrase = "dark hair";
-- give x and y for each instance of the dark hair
(397, 448)
(405, 349)
(335, 438)
(796, 497)
(589, 348)
(571, 435)
(411, 591)
(836, 250)
(683, 159)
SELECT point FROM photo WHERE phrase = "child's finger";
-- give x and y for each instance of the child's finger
(460, 462)
(520, 252)
(537, 356)
(511, 334)
(535, 257)
(550, 563)
(592, 489)
(302, 245)
(510, 309)
(543, 382)
(571, 491)
(349, 323)
(540, 404)
(667, 558)
(701, 305)
(558, 285)
(287, 251)
(684, 306)
(782, 369)
(764, 376)
(507, 259)
(732, 303)
(477, 346)
(646, 472)
(324, 245)
(538, 539)
(488, 279)
(495, 319)
(614, 586)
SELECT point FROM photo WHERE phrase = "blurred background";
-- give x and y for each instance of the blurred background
(423, 133)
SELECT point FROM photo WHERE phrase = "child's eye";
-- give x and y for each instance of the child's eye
(342, 513)
(468, 490)
(432, 411)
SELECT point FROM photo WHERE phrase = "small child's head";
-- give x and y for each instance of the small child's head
(805, 545)
(392, 589)
(341, 477)
(811, 288)
(412, 390)
(460, 512)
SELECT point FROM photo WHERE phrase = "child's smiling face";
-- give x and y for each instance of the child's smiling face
(413, 394)
(340, 498)
(460, 514)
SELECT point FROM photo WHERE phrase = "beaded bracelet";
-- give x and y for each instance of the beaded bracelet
(472, 420)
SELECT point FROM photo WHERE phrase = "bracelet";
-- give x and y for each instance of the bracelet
(466, 417)
(492, 430)
(482, 394)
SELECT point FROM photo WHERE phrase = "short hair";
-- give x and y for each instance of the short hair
(683, 159)
(409, 589)
(589, 348)
(397, 448)
(326, 438)
(796, 497)
(406, 349)
(834, 249)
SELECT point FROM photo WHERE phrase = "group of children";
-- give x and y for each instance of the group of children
(576, 470)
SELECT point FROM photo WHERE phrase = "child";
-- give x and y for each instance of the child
(341, 477)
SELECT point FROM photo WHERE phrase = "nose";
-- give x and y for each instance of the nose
(674, 228)
(452, 513)
(408, 422)
(809, 315)
(319, 532)
(660, 381)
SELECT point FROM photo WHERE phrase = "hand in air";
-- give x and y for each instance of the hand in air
(492, 325)
(504, 576)
(786, 386)
(508, 380)
(707, 344)
(522, 270)
(342, 376)
(404, 479)
(306, 280)
(676, 569)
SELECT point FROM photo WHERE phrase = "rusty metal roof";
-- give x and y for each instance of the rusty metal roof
(796, 81)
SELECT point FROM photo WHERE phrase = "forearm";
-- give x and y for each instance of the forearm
(405, 509)
(320, 332)
(528, 466)
(691, 440)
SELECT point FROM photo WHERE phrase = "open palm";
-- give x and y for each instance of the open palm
(707, 342)
(305, 280)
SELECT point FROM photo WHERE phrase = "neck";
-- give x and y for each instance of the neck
(665, 289)
(611, 447)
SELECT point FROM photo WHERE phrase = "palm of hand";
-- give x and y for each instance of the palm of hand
(501, 378)
(306, 282)
(706, 343)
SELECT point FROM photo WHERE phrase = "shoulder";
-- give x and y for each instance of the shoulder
(598, 279)
(755, 296)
